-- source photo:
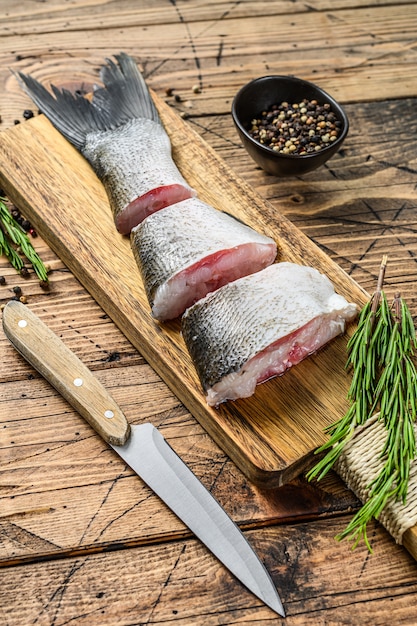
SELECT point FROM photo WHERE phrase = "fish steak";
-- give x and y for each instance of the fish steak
(190, 249)
(259, 326)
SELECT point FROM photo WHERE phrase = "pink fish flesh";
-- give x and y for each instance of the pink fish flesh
(259, 326)
(136, 211)
(190, 249)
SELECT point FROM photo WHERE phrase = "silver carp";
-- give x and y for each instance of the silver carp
(190, 249)
(258, 326)
(121, 135)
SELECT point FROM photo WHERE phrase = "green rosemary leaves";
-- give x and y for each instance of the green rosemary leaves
(384, 381)
(12, 238)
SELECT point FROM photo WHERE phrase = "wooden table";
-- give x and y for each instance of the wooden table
(83, 541)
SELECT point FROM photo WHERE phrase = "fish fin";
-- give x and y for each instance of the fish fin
(69, 113)
(125, 93)
(125, 96)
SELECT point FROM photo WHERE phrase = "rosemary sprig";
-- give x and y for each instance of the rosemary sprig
(381, 354)
(395, 394)
(364, 350)
(13, 236)
(5, 248)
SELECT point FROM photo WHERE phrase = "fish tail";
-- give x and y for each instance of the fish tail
(125, 91)
(124, 96)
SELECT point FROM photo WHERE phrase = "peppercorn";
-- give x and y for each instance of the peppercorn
(299, 128)
(27, 114)
(24, 223)
(2, 280)
(17, 290)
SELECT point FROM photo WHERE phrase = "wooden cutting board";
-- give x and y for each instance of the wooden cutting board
(270, 436)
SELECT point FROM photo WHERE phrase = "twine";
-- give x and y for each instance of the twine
(360, 463)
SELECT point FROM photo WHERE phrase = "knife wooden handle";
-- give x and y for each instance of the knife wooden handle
(47, 353)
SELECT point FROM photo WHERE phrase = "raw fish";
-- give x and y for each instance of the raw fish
(259, 326)
(120, 133)
(190, 249)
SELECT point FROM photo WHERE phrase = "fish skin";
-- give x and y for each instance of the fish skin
(128, 173)
(229, 327)
(120, 133)
(175, 239)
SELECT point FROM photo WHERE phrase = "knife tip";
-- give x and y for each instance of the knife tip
(275, 603)
(279, 609)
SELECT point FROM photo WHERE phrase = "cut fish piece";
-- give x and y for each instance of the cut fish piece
(190, 249)
(121, 135)
(259, 326)
(135, 166)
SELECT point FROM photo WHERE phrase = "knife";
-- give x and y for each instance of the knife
(142, 447)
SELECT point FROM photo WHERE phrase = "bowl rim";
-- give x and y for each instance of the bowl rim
(294, 79)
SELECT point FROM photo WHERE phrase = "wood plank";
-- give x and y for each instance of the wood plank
(367, 52)
(180, 582)
(270, 436)
(80, 14)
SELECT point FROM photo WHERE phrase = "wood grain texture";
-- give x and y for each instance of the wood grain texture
(351, 49)
(180, 582)
(362, 204)
(270, 436)
(63, 490)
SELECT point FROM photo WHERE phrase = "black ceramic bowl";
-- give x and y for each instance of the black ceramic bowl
(259, 95)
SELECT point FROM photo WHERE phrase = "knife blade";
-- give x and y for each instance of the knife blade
(142, 447)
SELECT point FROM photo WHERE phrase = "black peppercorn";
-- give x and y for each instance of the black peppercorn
(299, 128)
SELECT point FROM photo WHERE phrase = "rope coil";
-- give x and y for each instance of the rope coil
(360, 463)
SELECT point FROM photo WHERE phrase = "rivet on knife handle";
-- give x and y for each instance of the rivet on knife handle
(63, 369)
